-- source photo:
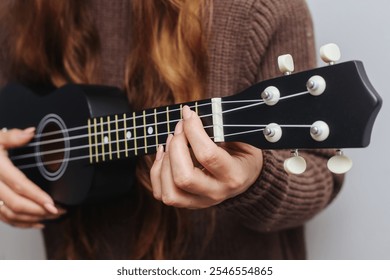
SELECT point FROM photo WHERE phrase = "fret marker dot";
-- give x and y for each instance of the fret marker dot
(150, 130)
(105, 139)
(128, 135)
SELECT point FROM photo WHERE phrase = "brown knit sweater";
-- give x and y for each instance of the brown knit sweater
(266, 221)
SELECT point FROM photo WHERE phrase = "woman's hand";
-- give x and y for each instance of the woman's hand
(225, 172)
(22, 203)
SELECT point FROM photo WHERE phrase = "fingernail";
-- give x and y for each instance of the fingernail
(160, 152)
(39, 226)
(51, 208)
(29, 131)
(179, 128)
(186, 112)
(61, 211)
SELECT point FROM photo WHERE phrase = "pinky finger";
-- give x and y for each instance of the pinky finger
(21, 224)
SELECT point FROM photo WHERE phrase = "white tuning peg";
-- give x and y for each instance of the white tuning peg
(270, 95)
(319, 131)
(316, 85)
(286, 64)
(295, 164)
(339, 164)
(330, 53)
(272, 132)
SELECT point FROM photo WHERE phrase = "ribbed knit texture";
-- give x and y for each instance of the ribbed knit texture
(247, 36)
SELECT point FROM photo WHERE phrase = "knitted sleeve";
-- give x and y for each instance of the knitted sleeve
(278, 200)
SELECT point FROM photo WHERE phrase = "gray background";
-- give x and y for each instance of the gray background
(357, 224)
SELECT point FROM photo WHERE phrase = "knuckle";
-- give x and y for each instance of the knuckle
(183, 180)
(15, 207)
(216, 197)
(170, 200)
(234, 183)
(19, 185)
(208, 156)
(156, 194)
(9, 215)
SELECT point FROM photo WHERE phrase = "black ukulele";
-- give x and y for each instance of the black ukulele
(87, 139)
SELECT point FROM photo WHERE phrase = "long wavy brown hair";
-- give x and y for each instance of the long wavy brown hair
(56, 42)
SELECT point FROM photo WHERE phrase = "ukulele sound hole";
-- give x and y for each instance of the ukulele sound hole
(53, 149)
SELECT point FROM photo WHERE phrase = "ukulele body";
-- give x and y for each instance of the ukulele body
(69, 182)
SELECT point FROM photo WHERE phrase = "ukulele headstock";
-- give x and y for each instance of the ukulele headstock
(328, 107)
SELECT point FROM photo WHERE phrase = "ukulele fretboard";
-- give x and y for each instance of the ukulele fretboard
(140, 133)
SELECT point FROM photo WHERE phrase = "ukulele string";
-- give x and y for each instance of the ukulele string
(256, 103)
(64, 150)
(99, 133)
(124, 119)
(27, 166)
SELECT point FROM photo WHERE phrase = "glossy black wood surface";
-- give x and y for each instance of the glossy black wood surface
(20, 107)
(349, 106)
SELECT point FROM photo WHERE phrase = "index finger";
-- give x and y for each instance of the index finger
(215, 159)
(15, 137)
(19, 183)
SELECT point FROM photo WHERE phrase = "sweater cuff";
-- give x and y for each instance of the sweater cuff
(262, 185)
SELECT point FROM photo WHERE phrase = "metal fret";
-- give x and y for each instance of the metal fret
(117, 137)
(124, 134)
(181, 111)
(196, 108)
(109, 137)
(155, 127)
(90, 141)
(135, 135)
(145, 141)
(96, 141)
(102, 138)
(169, 131)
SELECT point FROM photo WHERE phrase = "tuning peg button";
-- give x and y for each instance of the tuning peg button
(295, 164)
(270, 95)
(319, 131)
(330, 53)
(339, 164)
(316, 85)
(286, 64)
(273, 132)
